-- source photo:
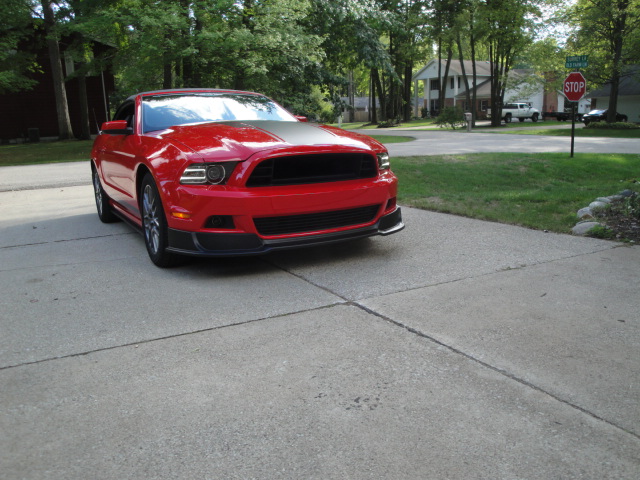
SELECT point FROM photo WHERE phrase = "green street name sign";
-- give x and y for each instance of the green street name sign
(577, 61)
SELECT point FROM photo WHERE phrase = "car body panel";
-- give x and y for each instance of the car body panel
(122, 159)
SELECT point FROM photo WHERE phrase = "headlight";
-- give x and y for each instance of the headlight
(207, 173)
(383, 161)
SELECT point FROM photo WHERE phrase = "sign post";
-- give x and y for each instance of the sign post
(575, 86)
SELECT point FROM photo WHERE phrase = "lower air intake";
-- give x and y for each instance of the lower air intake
(315, 221)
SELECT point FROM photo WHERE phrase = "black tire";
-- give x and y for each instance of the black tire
(624, 118)
(507, 118)
(521, 119)
(105, 213)
(154, 224)
(534, 117)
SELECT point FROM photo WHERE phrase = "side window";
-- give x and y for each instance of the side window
(126, 112)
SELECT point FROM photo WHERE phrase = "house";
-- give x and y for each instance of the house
(31, 114)
(628, 95)
(361, 108)
(524, 87)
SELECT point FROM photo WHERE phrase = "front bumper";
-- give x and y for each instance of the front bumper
(216, 244)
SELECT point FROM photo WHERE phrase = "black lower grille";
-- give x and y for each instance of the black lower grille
(315, 221)
(316, 168)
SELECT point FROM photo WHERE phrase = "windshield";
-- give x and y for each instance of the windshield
(163, 111)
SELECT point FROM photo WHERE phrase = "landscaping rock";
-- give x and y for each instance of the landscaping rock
(584, 227)
(585, 213)
(597, 204)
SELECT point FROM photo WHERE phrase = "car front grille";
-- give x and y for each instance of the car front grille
(315, 221)
(315, 168)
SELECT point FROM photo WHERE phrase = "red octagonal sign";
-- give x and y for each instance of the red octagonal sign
(575, 86)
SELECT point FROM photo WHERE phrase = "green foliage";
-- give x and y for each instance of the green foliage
(629, 206)
(609, 32)
(16, 63)
(613, 126)
(451, 117)
(601, 231)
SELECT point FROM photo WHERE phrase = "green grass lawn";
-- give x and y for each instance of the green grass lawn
(392, 138)
(541, 191)
(580, 131)
(45, 152)
(422, 122)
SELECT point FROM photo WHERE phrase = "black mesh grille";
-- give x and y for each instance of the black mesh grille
(317, 168)
(315, 221)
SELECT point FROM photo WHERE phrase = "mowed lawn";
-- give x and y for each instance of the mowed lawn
(541, 191)
(45, 152)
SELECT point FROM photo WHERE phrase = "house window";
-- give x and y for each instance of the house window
(452, 83)
(459, 80)
(435, 84)
(484, 105)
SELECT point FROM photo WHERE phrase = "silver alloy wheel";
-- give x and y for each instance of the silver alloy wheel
(97, 188)
(150, 218)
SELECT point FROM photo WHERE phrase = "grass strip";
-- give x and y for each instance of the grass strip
(566, 132)
(45, 152)
(392, 138)
(541, 191)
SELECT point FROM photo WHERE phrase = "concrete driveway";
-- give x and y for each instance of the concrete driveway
(454, 349)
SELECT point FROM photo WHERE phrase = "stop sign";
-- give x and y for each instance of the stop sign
(575, 86)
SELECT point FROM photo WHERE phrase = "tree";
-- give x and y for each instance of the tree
(609, 32)
(65, 132)
(16, 63)
(509, 27)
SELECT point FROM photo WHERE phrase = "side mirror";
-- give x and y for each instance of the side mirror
(301, 118)
(116, 127)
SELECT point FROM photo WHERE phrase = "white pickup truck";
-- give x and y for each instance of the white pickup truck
(519, 111)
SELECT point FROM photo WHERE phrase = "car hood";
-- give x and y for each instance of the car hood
(240, 139)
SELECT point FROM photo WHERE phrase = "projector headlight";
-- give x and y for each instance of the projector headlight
(207, 173)
(383, 161)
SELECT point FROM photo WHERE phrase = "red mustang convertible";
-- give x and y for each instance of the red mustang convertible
(216, 173)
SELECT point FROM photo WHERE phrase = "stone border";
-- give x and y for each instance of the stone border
(586, 215)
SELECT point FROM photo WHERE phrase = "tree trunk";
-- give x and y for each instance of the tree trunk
(408, 70)
(372, 96)
(445, 79)
(65, 132)
(351, 95)
(464, 75)
(381, 95)
(85, 131)
(618, 40)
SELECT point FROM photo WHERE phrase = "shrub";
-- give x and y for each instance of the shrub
(392, 122)
(451, 117)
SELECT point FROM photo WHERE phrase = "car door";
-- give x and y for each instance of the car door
(119, 157)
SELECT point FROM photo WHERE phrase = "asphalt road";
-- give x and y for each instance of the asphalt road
(454, 349)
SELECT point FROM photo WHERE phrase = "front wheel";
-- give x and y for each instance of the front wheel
(105, 214)
(534, 117)
(154, 224)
